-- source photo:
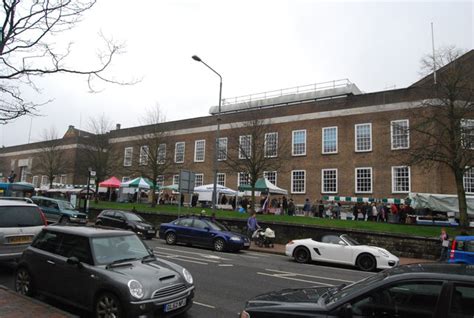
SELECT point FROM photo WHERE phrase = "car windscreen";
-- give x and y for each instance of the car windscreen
(349, 240)
(107, 250)
(65, 205)
(331, 298)
(218, 226)
(133, 217)
(20, 216)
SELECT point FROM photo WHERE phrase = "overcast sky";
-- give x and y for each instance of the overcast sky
(255, 45)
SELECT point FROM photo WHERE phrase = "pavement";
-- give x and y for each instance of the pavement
(14, 305)
(280, 249)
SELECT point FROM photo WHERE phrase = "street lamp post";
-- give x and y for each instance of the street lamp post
(214, 190)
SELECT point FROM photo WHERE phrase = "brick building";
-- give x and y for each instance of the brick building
(341, 142)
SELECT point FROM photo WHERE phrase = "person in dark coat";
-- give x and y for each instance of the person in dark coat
(284, 205)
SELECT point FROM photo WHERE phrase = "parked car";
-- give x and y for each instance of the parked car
(433, 290)
(126, 220)
(341, 249)
(203, 231)
(111, 273)
(462, 250)
(61, 211)
(20, 221)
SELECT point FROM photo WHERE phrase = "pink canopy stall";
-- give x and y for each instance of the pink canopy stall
(112, 183)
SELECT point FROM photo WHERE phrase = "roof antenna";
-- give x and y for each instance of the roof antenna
(434, 59)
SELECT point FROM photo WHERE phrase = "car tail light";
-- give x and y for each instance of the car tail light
(290, 242)
(43, 217)
(453, 248)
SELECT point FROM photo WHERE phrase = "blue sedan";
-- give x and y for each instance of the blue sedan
(203, 232)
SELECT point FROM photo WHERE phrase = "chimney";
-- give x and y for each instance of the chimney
(71, 127)
(117, 127)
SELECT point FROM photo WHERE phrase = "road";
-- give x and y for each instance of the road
(224, 281)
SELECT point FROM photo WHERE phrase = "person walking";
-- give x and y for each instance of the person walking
(444, 239)
(291, 207)
(252, 224)
(306, 207)
(321, 209)
(284, 205)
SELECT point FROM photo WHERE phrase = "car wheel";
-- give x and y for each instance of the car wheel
(108, 305)
(170, 238)
(302, 255)
(99, 223)
(24, 282)
(219, 245)
(366, 262)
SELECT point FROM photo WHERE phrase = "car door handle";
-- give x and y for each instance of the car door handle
(51, 262)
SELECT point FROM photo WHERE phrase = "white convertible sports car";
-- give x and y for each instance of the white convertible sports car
(341, 249)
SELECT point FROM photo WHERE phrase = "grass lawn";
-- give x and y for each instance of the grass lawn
(418, 230)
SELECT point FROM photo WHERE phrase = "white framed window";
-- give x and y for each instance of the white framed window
(243, 178)
(179, 152)
(467, 133)
(44, 180)
(329, 180)
(271, 145)
(198, 179)
(222, 154)
(63, 179)
(221, 179)
(400, 134)
(143, 160)
(127, 157)
(468, 180)
(363, 180)
(199, 150)
(160, 180)
(363, 137)
(401, 179)
(161, 154)
(245, 147)
(329, 136)
(298, 181)
(23, 173)
(299, 143)
(35, 181)
(176, 179)
(125, 179)
(271, 176)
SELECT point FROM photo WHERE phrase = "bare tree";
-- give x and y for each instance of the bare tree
(98, 153)
(51, 160)
(443, 129)
(258, 148)
(28, 50)
(155, 157)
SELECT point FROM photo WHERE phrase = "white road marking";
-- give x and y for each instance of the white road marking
(225, 265)
(311, 276)
(295, 279)
(178, 258)
(194, 253)
(204, 305)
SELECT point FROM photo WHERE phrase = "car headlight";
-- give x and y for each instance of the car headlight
(384, 252)
(187, 276)
(140, 227)
(135, 288)
(244, 314)
(235, 238)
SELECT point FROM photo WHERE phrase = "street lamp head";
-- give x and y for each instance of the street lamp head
(196, 58)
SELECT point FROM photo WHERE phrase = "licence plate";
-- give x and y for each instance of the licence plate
(246, 244)
(151, 231)
(20, 239)
(175, 305)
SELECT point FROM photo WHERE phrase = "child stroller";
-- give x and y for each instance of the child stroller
(264, 238)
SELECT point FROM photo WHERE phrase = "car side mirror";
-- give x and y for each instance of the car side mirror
(73, 260)
(345, 311)
(207, 229)
(341, 243)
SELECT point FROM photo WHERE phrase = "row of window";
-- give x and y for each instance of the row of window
(45, 180)
(363, 143)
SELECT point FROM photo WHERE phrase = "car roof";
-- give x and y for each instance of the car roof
(48, 198)
(464, 238)
(87, 231)
(434, 270)
(15, 203)
(121, 211)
